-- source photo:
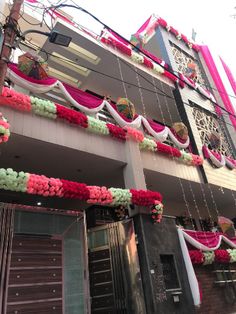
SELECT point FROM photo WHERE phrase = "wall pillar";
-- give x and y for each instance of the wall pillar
(152, 241)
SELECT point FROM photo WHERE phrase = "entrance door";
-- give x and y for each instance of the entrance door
(115, 281)
(47, 271)
(35, 281)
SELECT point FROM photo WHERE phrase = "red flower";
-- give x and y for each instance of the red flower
(75, 190)
(196, 47)
(170, 76)
(196, 256)
(15, 100)
(185, 39)
(145, 198)
(72, 116)
(169, 150)
(162, 22)
(148, 63)
(174, 31)
(222, 256)
(116, 131)
(122, 47)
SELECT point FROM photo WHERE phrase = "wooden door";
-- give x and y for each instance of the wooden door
(35, 280)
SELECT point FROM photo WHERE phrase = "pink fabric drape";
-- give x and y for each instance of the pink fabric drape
(205, 152)
(48, 81)
(177, 136)
(125, 42)
(156, 126)
(218, 82)
(144, 26)
(83, 98)
(229, 75)
(209, 239)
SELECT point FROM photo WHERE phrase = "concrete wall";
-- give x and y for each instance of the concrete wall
(154, 240)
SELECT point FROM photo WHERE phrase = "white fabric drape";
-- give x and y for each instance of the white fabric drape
(190, 270)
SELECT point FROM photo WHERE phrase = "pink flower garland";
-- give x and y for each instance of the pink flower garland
(20, 102)
(134, 134)
(123, 48)
(156, 212)
(4, 132)
(14, 99)
(72, 116)
(41, 185)
(50, 187)
(174, 31)
(197, 160)
(220, 256)
(99, 195)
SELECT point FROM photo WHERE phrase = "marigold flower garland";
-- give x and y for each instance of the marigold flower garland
(49, 187)
(208, 257)
(55, 111)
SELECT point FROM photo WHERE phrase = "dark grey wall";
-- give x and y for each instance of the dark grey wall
(153, 240)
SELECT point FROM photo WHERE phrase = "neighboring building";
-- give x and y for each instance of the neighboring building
(83, 248)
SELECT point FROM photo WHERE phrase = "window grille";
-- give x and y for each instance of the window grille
(206, 125)
(182, 59)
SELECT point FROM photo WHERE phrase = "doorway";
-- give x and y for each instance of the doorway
(48, 268)
(115, 280)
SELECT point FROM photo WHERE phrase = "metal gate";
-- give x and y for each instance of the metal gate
(115, 281)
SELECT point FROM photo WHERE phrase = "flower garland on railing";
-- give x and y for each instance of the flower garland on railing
(136, 57)
(51, 187)
(54, 111)
(209, 257)
(187, 158)
(4, 129)
(153, 63)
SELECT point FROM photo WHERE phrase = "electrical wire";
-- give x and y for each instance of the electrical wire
(140, 50)
(54, 7)
(162, 93)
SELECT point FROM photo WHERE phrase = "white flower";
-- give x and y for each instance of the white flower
(190, 45)
(157, 68)
(168, 28)
(178, 36)
(136, 57)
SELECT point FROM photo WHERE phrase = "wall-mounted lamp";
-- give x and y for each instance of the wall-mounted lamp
(54, 37)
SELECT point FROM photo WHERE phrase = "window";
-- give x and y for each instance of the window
(169, 272)
(208, 124)
(182, 60)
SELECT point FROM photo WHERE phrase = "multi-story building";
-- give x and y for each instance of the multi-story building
(94, 147)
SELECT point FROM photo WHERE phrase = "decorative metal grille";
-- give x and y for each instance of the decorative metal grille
(182, 59)
(206, 124)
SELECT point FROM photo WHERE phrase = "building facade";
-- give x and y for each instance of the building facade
(94, 147)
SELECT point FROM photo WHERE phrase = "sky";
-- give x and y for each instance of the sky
(212, 20)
